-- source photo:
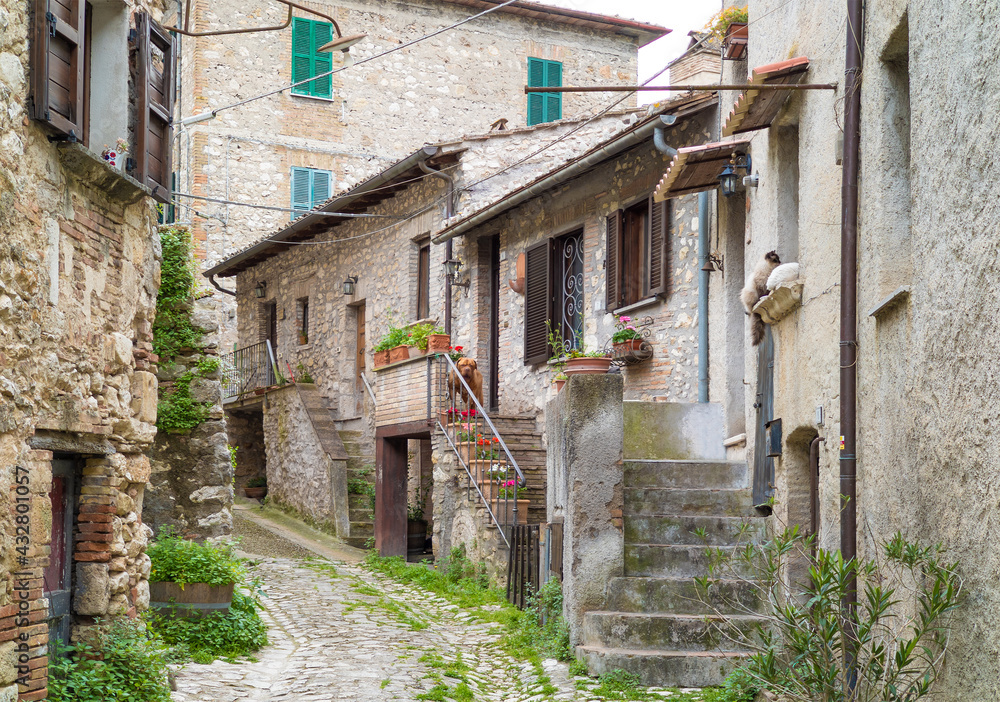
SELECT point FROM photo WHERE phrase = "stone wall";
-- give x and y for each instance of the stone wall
(79, 273)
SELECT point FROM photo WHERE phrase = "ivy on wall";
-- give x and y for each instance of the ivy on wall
(174, 334)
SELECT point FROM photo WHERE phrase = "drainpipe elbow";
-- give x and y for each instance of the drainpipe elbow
(660, 135)
(215, 284)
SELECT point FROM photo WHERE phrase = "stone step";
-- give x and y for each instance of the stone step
(670, 561)
(668, 501)
(656, 631)
(356, 466)
(360, 514)
(364, 529)
(682, 596)
(358, 501)
(686, 474)
(663, 668)
(674, 529)
(357, 541)
(350, 435)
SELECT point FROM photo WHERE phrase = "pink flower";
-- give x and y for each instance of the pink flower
(624, 318)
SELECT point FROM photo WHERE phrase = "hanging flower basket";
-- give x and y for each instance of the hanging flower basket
(587, 365)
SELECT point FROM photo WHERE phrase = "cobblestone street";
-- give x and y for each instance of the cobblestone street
(339, 632)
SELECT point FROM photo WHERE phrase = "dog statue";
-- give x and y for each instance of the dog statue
(469, 370)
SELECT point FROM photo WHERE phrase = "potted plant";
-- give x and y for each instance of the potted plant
(506, 499)
(577, 360)
(303, 378)
(420, 336)
(730, 27)
(416, 525)
(397, 340)
(190, 579)
(303, 338)
(256, 488)
(115, 155)
(438, 341)
(559, 380)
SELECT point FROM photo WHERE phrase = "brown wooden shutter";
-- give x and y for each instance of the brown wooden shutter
(659, 249)
(537, 302)
(612, 268)
(154, 105)
(58, 65)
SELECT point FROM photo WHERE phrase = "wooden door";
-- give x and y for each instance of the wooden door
(494, 345)
(58, 580)
(359, 363)
(763, 465)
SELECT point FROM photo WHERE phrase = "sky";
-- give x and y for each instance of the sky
(679, 15)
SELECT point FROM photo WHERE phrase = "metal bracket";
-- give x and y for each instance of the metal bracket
(51, 19)
(188, 32)
(70, 138)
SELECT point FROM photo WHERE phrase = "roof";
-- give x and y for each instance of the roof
(756, 109)
(643, 32)
(696, 168)
(689, 103)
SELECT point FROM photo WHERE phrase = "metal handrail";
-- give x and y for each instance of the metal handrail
(475, 484)
(368, 387)
(246, 369)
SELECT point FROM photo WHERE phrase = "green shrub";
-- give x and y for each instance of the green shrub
(238, 632)
(540, 629)
(122, 661)
(181, 561)
(257, 483)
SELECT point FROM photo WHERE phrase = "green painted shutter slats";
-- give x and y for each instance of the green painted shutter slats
(544, 107)
(310, 187)
(308, 61)
(320, 187)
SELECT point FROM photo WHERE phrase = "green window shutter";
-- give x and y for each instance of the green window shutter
(320, 187)
(301, 191)
(544, 107)
(308, 61)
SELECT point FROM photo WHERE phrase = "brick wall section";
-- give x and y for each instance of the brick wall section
(401, 390)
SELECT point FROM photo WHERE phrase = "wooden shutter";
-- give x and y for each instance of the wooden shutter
(659, 250)
(301, 191)
(321, 187)
(322, 33)
(612, 274)
(537, 302)
(155, 106)
(553, 101)
(58, 58)
(301, 55)
(536, 101)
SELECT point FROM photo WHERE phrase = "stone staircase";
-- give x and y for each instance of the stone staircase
(522, 437)
(360, 469)
(654, 624)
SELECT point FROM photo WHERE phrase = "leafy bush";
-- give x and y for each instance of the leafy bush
(173, 331)
(720, 21)
(177, 411)
(419, 333)
(238, 632)
(257, 483)
(117, 662)
(181, 561)
(540, 629)
(897, 636)
(393, 337)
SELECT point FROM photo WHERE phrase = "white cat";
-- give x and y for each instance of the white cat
(785, 273)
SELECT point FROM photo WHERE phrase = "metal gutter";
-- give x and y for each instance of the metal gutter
(562, 174)
(335, 205)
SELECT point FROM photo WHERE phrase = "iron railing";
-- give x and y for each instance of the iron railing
(490, 467)
(247, 369)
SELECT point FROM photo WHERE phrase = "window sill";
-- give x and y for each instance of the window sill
(641, 304)
(313, 97)
(303, 347)
(89, 168)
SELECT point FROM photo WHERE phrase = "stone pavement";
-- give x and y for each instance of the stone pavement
(340, 632)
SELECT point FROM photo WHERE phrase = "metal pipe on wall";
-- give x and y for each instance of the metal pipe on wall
(703, 281)
(449, 211)
(849, 313)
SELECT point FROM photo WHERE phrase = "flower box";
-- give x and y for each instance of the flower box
(438, 343)
(381, 358)
(399, 353)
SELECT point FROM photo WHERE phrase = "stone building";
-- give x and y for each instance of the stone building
(79, 271)
(925, 309)
(294, 149)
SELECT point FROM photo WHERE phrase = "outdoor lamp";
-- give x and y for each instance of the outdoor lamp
(344, 44)
(261, 289)
(729, 178)
(452, 267)
(349, 285)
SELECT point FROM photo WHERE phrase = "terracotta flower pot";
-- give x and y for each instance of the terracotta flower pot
(399, 353)
(504, 510)
(558, 384)
(629, 345)
(438, 343)
(381, 358)
(587, 365)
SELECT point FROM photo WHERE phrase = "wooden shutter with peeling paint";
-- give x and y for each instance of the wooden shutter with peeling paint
(154, 106)
(537, 302)
(58, 61)
(612, 274)
(659, 250)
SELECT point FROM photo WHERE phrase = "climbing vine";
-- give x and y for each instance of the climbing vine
(174, 334)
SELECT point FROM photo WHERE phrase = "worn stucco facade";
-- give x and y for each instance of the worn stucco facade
(926, 308)
(79, 272)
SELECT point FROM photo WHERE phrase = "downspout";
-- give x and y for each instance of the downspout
(449, 211)
(849, 320)
(215, 284)
(703, 274)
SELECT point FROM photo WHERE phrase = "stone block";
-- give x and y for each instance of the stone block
(144, 398)
(206, 390)
(93, 589)
(118, 583)
(674, 431)
(8, 694)
(137, 467)
(8, 666)
(142, 595)
(121, 350)
(219, 493)
(205, 315)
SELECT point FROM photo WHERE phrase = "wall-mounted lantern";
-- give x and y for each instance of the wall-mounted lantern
(261, 289)
(453, 267)
(729, 178)
(350, 285)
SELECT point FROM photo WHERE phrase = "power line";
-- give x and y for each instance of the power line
(358, 215)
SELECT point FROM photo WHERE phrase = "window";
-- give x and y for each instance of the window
(302, 320)
(553, 294)
(638, 256)
(308, 60)
(81, 50)
(544, 107)
(424, 281)
(310, 187)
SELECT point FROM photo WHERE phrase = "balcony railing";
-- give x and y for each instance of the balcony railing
(247, 369)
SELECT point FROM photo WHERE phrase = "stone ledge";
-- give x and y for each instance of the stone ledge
(780, 303)
(84, 165)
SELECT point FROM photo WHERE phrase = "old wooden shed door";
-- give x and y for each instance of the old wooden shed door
(59, 574)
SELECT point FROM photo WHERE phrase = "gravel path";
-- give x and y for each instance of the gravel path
(339, 632)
